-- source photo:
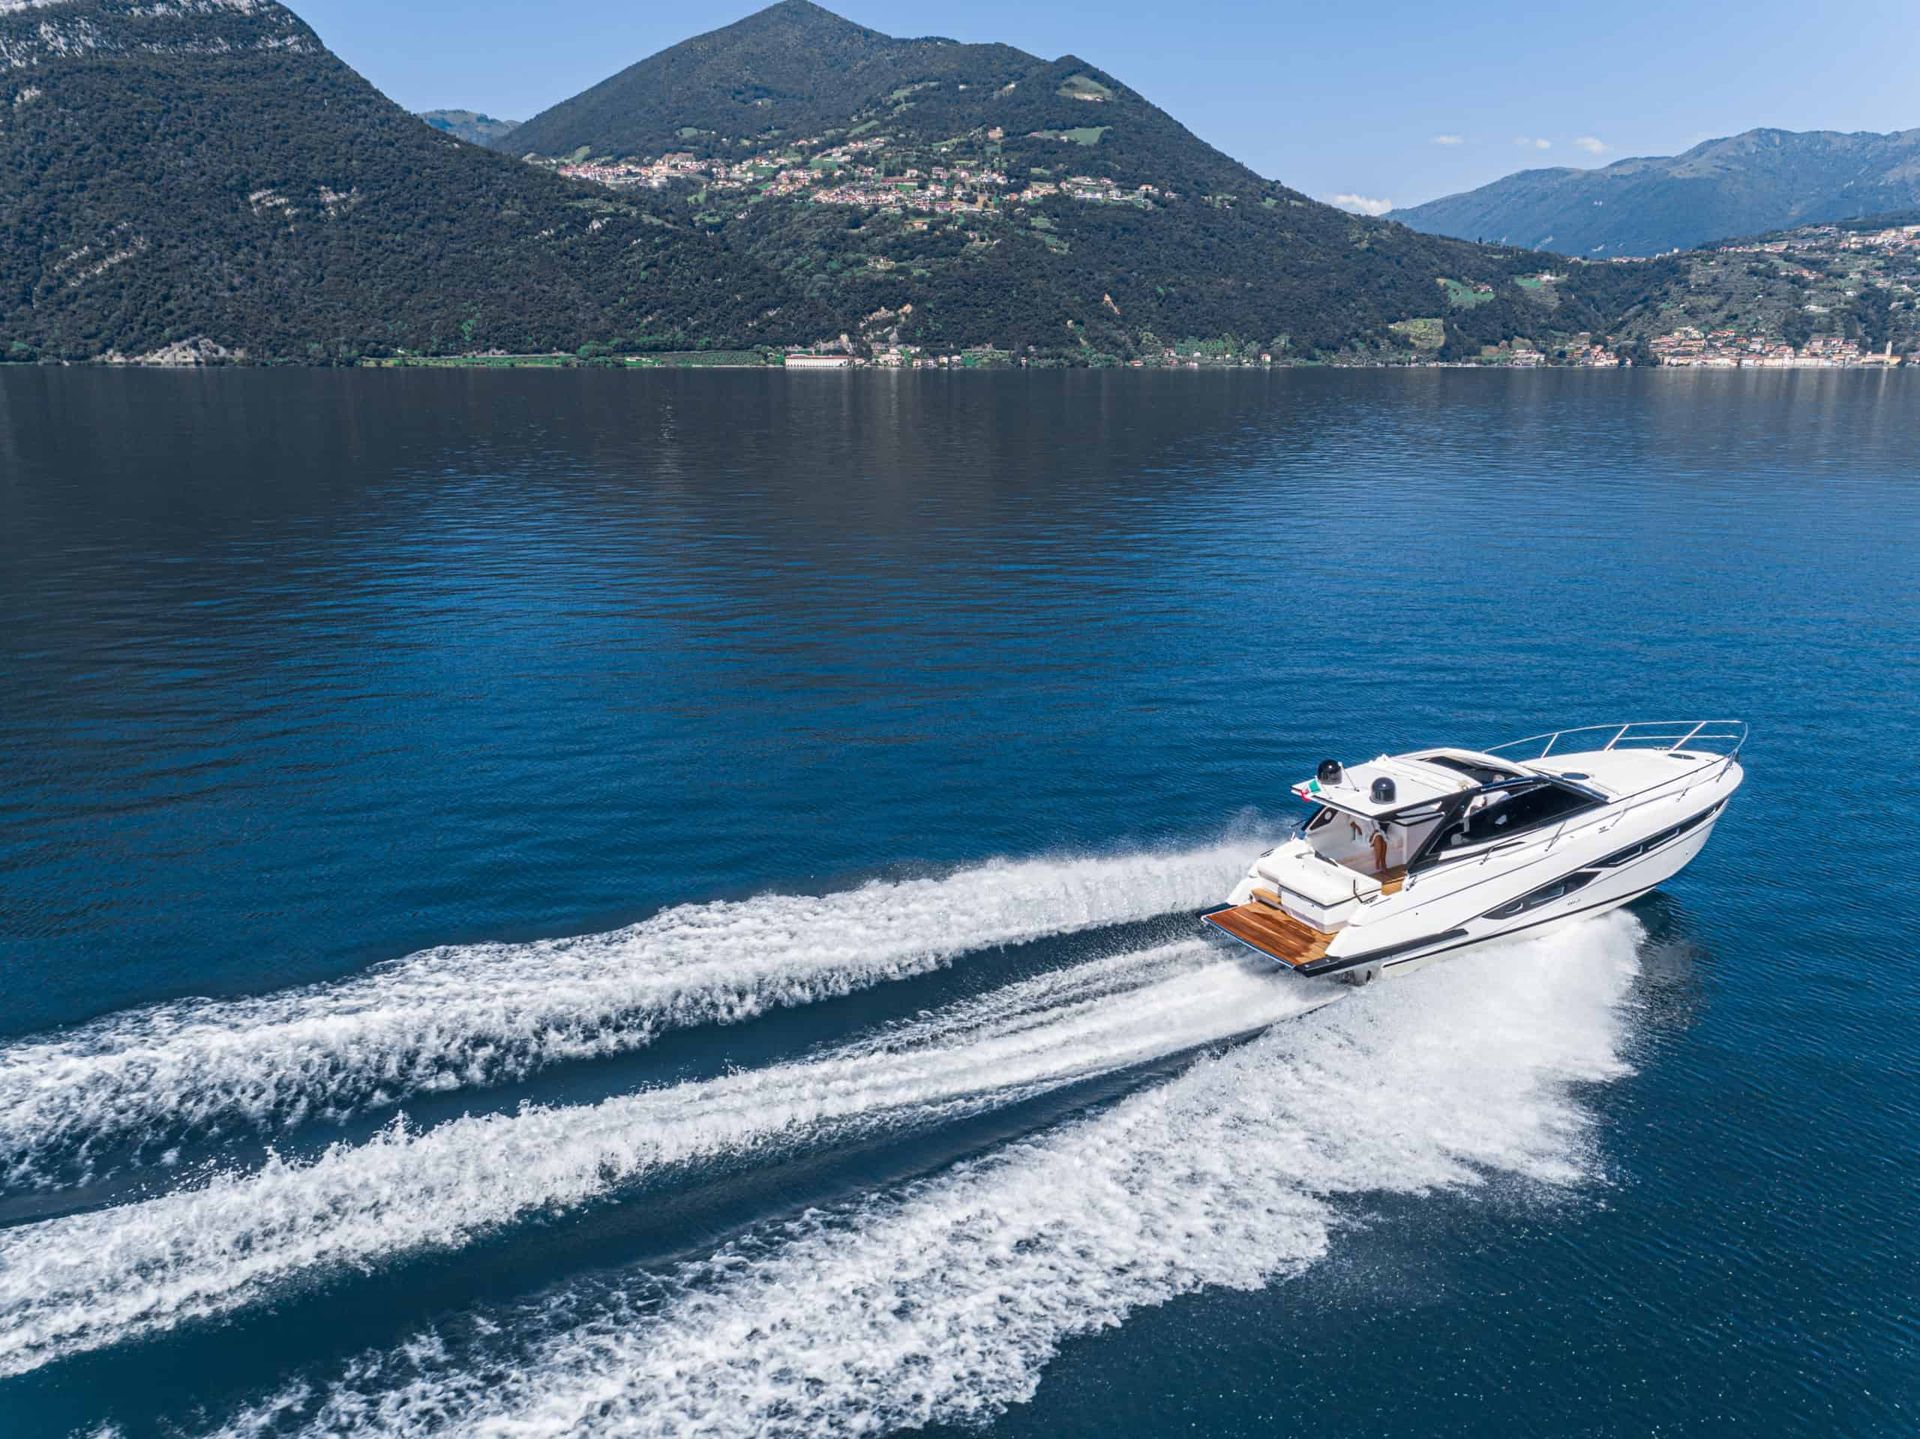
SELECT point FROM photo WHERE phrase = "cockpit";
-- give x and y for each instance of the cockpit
(1403, 814)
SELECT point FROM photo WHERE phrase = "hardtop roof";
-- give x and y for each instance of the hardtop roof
(1416, 780)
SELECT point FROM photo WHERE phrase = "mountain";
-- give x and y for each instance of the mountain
(951, 195)
(205, 174)
(470, 125)
(186, 178)
(1761, 180)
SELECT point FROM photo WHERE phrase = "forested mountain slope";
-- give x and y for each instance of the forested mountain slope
(952, 194)
(205, 170)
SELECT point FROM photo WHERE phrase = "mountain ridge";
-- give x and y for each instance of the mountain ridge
(470, 125)
(1738, 185)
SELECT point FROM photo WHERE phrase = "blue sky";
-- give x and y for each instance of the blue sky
(1384, 101)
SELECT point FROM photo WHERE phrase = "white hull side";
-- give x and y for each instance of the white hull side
(1621, 887)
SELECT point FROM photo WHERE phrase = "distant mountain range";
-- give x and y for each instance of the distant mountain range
(470, 125)
(1758, 181)
(203, 178)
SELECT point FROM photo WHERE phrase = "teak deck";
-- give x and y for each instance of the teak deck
(1392, 880)
(1272, 931)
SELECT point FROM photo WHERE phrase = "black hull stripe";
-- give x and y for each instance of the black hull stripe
(1374, 957)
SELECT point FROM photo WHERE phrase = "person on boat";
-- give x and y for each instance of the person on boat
(1379, 843)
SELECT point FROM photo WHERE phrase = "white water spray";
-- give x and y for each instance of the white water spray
(485, 1013)
(90, 1280)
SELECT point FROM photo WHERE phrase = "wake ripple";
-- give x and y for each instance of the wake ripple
(945, 1303)
(90, 1280)
(141, 1081)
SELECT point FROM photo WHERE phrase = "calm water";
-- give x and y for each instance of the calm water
(330, 701)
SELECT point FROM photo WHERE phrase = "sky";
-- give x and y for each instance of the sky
(1367, 104)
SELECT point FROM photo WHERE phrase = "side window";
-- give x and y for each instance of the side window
(1559, 889)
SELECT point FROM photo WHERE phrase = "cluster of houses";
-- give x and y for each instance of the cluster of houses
(1092, 191)
(844, 175)
(1691, 347)
(895, 357)
(940, 192)
(1892, 240)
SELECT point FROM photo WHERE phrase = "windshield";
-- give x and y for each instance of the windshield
(1510, 810)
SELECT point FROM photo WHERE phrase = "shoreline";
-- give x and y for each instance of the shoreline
(637, 365)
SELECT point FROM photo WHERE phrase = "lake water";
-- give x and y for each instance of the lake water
(584, 903)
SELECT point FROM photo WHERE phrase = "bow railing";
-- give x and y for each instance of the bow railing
(1722, 737)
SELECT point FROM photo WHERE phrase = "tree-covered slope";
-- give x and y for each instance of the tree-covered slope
(954, 195)
(173, 170)
(1759, 180)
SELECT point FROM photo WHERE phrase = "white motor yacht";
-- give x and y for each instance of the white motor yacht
(1412, 856)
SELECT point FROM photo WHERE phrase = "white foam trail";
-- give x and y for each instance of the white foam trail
(89, 1280)
(483, 1013)
(945, 1304)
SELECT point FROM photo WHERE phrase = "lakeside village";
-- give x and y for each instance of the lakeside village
(1895, 248)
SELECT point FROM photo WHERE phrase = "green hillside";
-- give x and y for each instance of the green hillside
(201, 178)
(950, 195)
(210, 173)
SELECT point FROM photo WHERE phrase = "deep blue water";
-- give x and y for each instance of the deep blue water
(304, 673)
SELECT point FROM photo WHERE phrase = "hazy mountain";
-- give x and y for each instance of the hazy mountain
(1147, 231)
(1760, 180)
(470, 125)
(173, 170)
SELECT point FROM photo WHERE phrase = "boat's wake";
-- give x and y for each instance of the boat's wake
(93, 1279)
(938, 1301)
(135, 1084)
(944, 1302)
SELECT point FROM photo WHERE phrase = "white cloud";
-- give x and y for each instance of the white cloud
(1532, 142)
(1363, 204)
(1448, 140)
(1591, 144)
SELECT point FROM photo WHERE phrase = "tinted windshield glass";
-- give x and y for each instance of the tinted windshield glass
(1509, 812)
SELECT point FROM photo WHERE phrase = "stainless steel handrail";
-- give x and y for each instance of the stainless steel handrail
(1711, 735)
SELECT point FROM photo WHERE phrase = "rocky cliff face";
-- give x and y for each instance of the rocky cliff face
(33, 32)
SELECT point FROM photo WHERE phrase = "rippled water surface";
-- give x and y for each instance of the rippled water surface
(562, 904)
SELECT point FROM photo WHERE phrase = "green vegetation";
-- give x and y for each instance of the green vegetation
(473, 362)
(1463, 296)
(1079, 135)
(701, 359)
(1423, 334)
(1275, 263)
(1083, 86)
(1793, 286)
(227, 180)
